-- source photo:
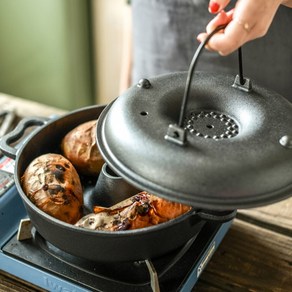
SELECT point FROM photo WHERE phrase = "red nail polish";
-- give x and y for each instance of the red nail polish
(213, 7)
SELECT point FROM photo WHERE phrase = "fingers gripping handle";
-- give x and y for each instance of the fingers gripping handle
(176, 132)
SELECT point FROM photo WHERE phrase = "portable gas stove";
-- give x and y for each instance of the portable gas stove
(36, 261)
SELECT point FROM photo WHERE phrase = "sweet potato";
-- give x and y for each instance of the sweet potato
(139, 211)
(79, 146)
(52, 183)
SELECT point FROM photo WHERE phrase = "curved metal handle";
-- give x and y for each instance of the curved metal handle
(17, 133)
(176, 133)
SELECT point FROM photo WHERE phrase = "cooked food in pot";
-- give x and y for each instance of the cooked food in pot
(52, 183)
(79, 146)
(141, 210)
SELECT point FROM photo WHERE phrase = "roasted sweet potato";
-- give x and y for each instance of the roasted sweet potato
(79, 146)
(52, 183)
(139, 211)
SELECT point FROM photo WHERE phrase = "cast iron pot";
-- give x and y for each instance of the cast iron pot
(128, 245)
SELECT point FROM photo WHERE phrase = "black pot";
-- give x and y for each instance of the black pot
(128, 245)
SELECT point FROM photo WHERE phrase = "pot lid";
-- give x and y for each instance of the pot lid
(238, 148)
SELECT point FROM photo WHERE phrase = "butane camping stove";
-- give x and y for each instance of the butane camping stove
(36, 261)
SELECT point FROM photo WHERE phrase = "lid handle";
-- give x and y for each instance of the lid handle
(240, 82)
(176, 133)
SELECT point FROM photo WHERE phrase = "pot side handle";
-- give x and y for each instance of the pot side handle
(18, 133)
(216, 216)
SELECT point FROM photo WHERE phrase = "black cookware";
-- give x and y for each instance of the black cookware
(237, 150)
(94, 245)
(231, 148)
(224, 142)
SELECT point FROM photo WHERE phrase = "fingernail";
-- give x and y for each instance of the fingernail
(213, 7)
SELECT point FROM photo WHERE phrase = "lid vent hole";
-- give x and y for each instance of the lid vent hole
(210, 124)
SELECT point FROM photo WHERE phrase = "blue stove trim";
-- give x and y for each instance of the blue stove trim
(195, 273)
(36, 276)
(51, 282)
(12, 210)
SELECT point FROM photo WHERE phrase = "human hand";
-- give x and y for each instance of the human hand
(248, 20)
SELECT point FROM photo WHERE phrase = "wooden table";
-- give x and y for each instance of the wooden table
(255, 255)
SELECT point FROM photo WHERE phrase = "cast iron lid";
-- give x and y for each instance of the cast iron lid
(238, 147)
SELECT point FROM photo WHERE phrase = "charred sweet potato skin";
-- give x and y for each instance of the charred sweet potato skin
(139, 211)
(52, 183)
(80, 147)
